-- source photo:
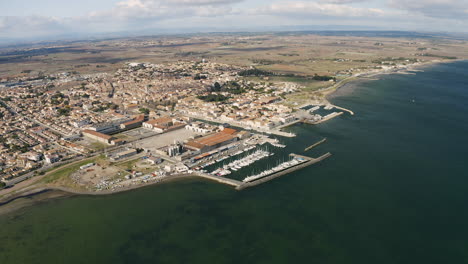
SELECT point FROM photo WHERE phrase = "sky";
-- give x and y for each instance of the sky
(43, 19)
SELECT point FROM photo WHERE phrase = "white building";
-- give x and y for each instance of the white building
(155, 160)
(200, 127)
(52, 158)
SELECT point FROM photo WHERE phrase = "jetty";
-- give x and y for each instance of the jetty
(343, 109)
(314, 145)
(219, 179)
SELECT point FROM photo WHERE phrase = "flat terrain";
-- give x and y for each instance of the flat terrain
(165, 139)
(294, 53)
(298, 55)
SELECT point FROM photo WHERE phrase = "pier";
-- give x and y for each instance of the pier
(219, 179)
(314, 145)
(289, 124)
(310, 161)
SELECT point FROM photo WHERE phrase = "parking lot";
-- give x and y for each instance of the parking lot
(161, 140)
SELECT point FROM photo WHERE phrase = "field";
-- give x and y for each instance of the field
(61, 176)
(299, 54)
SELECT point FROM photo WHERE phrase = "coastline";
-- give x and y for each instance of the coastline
(376, 73)
(53, 192)
(60, 192)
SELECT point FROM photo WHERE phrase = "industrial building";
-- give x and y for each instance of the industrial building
(123, 154)
(164, 124)
(134, 123)
(212, 141)
(201, 127)
(103, 138)
(155, 160)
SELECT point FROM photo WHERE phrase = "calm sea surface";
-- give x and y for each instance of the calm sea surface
(394, 191)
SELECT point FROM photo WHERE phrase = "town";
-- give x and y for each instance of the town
(155, 119)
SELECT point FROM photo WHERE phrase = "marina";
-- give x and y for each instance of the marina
(219, 165)
(283, 166)
(307, 161)
(214, 157)
(246, 161)
(297, 162)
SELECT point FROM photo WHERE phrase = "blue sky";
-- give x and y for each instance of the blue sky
(21, 19)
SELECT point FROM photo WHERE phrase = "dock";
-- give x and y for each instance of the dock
(289, 124)
(310, 161)
(314, 145)
(326, 118)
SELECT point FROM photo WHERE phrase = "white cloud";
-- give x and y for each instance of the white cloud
(128, 15)
(318, 9)
(125, 15)
(342, 1)
(203, 2)
(152, 3)
(452, 9)
(131, 4)
(164, 9)
(11, 26)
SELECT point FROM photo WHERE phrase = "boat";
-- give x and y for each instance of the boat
(278, 145)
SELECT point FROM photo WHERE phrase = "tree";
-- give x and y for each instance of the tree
(2, 185)
(213, 98)
(216, 87)
(144, 111)
(255, 72)
(323, 78)
(64, 111)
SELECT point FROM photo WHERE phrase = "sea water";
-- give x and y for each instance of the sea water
(394, 191)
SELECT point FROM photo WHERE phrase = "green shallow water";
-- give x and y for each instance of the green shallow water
(394, 191)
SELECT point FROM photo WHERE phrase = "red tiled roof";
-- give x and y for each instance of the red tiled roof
(97, 134)
(138, 119)
(229, 131)
(160, 120)
(213, 139)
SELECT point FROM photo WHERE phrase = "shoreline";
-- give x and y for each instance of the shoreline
(33, 191)
(68, 192)
(376, 73)
(41, 189)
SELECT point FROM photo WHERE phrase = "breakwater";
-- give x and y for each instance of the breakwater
(314, 145)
